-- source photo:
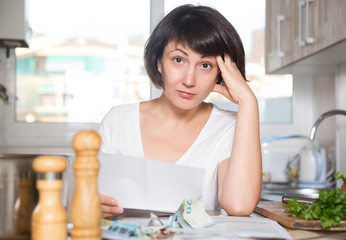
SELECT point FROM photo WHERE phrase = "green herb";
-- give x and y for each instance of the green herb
(330, 207)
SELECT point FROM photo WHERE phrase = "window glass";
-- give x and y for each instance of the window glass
(84, 57)
(274, 92)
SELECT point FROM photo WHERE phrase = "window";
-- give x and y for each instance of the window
(78, 66)
(274, 92)
(84, 58)
(84, 62)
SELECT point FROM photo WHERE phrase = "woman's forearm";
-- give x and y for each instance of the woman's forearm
(240, 177)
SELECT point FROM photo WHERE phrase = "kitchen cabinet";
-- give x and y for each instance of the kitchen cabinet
(296, 29)
(278, 34)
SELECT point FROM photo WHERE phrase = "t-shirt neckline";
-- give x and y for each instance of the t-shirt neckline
(200, 135)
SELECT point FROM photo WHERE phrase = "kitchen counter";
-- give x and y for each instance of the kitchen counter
(304, 234)
(295, 234)
(301, 234)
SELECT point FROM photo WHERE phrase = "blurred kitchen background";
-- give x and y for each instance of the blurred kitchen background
(65, 63)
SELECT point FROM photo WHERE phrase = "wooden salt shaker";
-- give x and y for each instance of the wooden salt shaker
(86, 207)
(49, 218)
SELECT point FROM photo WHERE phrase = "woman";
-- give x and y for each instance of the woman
(189, 53)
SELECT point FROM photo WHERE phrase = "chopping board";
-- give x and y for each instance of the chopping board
(276, 212)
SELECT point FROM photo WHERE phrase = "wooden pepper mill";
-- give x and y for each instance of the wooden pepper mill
(86, 207)
(49, 218)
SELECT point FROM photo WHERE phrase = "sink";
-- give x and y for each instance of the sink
(273, 191)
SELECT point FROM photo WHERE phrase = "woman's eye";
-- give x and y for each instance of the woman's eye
(206, 66)
(178, 60)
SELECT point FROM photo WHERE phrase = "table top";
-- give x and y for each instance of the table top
(295, 234)
(299, 234)
(304, 234)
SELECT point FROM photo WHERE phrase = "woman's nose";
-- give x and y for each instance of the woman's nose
(189, 78)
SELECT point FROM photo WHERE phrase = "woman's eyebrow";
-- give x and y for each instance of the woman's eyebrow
(185, 53)
(180, 50)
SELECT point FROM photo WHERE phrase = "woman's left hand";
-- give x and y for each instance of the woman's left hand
(235, 87)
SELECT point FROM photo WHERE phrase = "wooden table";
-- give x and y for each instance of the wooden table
(301, 234)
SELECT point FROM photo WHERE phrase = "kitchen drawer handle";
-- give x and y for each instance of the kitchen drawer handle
(280, 18)
(308, 39)
(302, 43)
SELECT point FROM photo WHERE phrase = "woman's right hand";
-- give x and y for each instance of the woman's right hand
(109, 206)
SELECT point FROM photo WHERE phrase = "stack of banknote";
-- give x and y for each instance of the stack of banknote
(191, 215)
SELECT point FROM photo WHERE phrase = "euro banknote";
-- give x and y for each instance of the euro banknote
(191, 215)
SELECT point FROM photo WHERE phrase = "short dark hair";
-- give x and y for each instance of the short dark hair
(202, 28)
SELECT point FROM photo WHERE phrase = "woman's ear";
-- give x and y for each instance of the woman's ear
(159, 66)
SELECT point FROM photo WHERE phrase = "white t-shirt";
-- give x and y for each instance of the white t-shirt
(120, 134)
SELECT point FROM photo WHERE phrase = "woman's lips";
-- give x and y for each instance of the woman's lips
(186, 94)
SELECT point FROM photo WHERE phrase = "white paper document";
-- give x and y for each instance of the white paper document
(228, 227)
(146, 184)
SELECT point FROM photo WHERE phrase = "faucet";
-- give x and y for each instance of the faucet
(321, 118)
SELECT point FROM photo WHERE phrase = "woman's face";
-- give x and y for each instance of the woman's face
(188, 76)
